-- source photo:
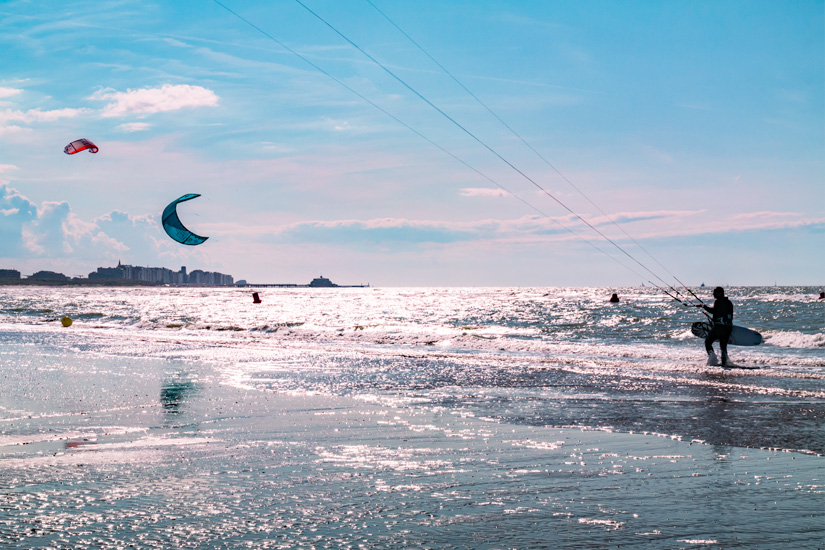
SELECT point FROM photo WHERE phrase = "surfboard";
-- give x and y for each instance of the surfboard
(739, 336)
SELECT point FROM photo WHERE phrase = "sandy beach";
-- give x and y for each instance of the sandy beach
(106, 451)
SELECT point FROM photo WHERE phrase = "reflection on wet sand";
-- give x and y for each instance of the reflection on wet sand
(78, 443)
(175, 394)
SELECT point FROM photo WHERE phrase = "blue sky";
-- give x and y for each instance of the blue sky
(697, 127)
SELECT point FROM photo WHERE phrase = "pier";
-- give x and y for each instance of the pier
(318, 282)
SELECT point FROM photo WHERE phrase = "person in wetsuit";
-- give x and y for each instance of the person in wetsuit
(722, 312)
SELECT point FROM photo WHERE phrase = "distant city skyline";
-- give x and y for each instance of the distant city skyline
(690, 131)
(161, 275)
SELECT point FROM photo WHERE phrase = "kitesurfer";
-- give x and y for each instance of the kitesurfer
(615, 298)
(722, 312)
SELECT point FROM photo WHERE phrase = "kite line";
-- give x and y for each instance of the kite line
(472, 136)
(523, 141)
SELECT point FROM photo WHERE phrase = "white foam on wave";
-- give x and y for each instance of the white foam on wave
(682, 334)
(795, 340)
(608, 523)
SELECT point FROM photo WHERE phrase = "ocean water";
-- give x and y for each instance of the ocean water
(406, 417)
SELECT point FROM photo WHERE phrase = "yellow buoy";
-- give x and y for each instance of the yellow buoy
(67, 321)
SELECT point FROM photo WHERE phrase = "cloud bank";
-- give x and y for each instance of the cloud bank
(51, 230)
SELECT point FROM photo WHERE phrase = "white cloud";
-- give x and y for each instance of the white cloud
(17, 211)
(8, 92)
(10, 130)
(13, 121)
(145, 101)
(48, 233)
(672, 227)
(647, 215)
(483, 192)
(36, 115)
(9, 118)
(275, 147)
(134, 127)
(751, 221)
(401, 231)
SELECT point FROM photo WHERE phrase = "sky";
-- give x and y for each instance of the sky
(428, 143)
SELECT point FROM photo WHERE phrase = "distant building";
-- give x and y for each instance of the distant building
(322, 282)
(107, 273)
(49, 275)
(198, 277)
(161, 275)
(9, 274)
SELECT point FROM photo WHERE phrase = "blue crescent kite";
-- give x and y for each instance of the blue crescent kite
(174, 228)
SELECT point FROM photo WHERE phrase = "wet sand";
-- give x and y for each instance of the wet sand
(103, 451)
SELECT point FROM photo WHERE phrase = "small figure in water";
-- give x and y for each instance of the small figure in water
(614, 298)
(722, 325)
(822, 295)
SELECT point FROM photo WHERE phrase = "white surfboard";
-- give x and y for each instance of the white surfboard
(739, 336)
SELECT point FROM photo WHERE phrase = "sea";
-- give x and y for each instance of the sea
(191, 417)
